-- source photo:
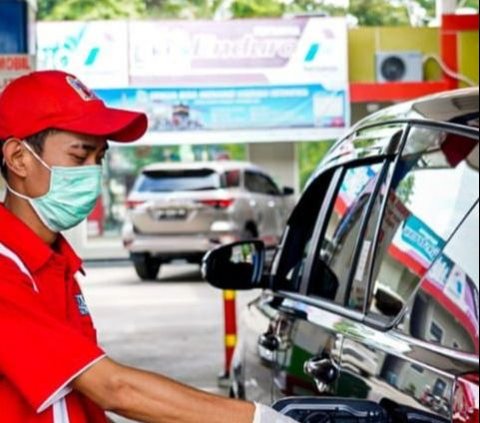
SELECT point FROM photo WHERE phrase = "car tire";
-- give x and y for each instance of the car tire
(147, 268)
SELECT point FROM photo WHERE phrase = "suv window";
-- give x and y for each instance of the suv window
(331, 270)
(232, 179)
(297, 241)
(260, 184)
(178, 180)
(445, 308)
(432, 190)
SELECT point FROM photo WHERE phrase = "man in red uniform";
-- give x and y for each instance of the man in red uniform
(53, 137)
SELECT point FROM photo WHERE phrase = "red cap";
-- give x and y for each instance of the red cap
(57, 100)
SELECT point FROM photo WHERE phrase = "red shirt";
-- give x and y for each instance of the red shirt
(47, 335)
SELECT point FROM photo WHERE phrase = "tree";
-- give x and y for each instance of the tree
(257, 8)
(315, 6)
(368, 12)
(378, 13)
(45, 8)
(310, 155)
(186, 9)
(90, 9)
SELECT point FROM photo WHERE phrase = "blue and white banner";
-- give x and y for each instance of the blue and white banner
(256, 107)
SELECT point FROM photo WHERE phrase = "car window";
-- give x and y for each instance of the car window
(431, 192)
(445, 308)
(260, 184)
(178, 180)
(331, 270)
(365, 143)
(232, 179)
(297, 241)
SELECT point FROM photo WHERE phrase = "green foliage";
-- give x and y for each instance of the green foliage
(368, 12)
(378, 13)
(257, 8)
(310, 155)
(185, 9)
(45, 8)
(90, 9)
(315, 7)
(474, 4)
(406, 189)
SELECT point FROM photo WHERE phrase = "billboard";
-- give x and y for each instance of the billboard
(238, 81)
(246, 52)
(96, 52)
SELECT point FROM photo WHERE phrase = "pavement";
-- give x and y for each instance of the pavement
(172, 326)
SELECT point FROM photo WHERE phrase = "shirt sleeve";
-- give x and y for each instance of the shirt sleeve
(39, 354)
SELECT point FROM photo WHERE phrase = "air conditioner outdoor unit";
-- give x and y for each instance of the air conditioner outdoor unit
(400, 66)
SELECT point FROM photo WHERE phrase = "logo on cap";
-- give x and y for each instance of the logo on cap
(85, 93)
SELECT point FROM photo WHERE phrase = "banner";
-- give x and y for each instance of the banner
(96, 52)
(245, 52)
(258, 107)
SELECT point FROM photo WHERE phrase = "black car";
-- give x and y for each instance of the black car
(373, 294)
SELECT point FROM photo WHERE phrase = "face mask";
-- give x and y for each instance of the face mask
(71, 198)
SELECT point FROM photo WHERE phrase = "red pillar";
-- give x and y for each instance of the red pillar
(451, 26)
(229, 298)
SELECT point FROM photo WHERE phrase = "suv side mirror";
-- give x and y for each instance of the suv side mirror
(287, 191)
(239, 266)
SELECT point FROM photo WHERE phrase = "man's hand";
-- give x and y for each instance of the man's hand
(265, 414)
(151, 398)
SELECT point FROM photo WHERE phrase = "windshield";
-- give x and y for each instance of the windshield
(179, 180)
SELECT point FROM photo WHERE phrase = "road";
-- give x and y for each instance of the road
(173, 326)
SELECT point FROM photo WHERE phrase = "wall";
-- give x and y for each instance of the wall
(468, 47)
(365, 42)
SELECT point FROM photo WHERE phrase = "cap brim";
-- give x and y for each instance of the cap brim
(113, 124)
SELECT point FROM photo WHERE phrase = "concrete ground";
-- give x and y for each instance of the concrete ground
(173, 326)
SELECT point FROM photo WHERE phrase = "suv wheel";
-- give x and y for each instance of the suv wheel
(147, 268)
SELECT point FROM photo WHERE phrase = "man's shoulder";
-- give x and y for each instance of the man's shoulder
(10, 271)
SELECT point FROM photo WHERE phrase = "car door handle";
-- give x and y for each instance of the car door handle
(269, 341)
(323, 370)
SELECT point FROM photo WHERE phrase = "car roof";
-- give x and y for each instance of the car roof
(217, 166)
(457, 106)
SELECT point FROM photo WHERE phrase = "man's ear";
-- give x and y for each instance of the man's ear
(15, 157)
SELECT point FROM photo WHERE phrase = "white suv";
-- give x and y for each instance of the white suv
(181, 211)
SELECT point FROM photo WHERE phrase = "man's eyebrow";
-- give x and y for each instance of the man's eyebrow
(87, 147)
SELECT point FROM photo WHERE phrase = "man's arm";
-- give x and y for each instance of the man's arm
(151, 398)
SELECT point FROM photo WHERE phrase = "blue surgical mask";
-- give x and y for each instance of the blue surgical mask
(71, 198)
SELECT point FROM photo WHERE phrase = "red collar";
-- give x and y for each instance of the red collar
(29, 247)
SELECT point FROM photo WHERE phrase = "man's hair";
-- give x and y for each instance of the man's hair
(37, 143)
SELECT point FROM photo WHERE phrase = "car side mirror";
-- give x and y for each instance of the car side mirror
(239, 266)
(287, 191)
